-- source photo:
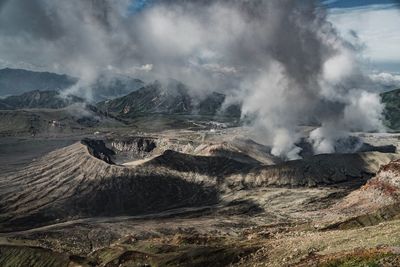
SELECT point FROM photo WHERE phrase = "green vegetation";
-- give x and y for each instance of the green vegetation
(184, 251)
(39, 99)
(12, 256)
(391, 100)
(173, 100)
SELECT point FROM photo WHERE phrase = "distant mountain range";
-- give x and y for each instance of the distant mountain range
(52, 112)
(39, 99)
(43, 90)
(18, 81)
(175, 98)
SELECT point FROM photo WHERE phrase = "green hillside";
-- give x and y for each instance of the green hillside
(391, 100)
(174, 99)
(39, 99)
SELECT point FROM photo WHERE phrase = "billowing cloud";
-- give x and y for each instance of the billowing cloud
(281, 58)
(388, 80)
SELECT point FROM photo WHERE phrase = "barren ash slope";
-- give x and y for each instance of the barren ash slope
(374, 202)
(195, 200)
(82, 181)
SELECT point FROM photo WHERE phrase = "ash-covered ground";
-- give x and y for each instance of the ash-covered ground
(210, 196)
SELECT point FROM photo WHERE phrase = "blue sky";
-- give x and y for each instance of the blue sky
(138, 5)
(357, 3)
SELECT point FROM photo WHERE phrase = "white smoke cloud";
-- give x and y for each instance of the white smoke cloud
(324, 138)
(363, 112)
(281, 58)
(146, 67)
(386, 79)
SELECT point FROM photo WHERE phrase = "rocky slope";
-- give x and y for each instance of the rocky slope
(144, 147)
(82, 181)
(255, 165)
(72, 183)
(317, 170)
(380, 191)
(378, 200)
(191, 201)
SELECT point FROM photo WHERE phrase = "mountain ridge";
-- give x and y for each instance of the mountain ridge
(17, 81)
(171, 99)
(39, 99)
(107, 86)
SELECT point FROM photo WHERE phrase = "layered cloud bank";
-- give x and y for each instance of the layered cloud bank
(281, 59)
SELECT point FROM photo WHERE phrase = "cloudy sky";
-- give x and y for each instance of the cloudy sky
(372, 24)
(288, 62)
(376, 25)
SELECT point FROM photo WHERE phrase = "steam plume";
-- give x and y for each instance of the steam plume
(281, 58)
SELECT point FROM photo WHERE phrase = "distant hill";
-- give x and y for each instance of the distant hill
(171, 99)
(106, 86)
(77, 118)
(50, 112)
(18, 81)
(39, 99)
(391, 100)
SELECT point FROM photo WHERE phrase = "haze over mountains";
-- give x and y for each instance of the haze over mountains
(53, 109)
(174, 98)
(129, 97)
(133, 96)
(18, 81)
(39, 99)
